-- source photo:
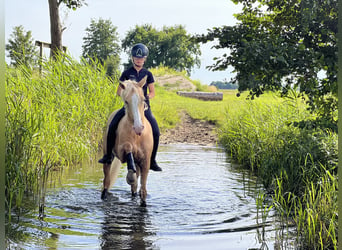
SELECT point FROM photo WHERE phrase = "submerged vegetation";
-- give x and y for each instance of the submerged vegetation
(55, 119)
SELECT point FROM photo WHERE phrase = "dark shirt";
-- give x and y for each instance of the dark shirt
(132, 74)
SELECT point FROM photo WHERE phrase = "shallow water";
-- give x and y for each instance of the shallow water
(198, 201)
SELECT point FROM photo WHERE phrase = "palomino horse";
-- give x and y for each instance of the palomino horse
(133, 144)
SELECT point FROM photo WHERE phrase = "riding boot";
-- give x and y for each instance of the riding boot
(111, 137)
(154, 166)
(109, 156)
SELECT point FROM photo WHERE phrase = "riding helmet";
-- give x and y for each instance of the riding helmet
(139, 50)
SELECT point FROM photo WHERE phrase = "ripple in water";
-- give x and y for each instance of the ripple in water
(198, 201)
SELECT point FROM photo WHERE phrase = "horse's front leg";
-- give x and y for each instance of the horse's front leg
(143, 182)
(131, 177)
(106, 181)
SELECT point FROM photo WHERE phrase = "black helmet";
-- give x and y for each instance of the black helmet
(139, 50)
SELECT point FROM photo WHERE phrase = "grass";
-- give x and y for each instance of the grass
(56, 119)
(53, 119)
(314, 212)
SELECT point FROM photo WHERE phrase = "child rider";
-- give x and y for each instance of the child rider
(137, 72)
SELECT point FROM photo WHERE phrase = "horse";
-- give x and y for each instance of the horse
(133, 144)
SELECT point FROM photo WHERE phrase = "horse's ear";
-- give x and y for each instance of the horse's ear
(142, 82)
(122, 85)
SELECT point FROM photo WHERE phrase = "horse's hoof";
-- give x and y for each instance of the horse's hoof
(143, 204)
(131, 177)
(104, 194)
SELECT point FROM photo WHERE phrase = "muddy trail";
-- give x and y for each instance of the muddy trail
(191, 131)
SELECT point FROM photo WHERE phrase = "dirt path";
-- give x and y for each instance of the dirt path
(190, 131)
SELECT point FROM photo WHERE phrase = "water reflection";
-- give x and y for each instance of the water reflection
(198, 201)
(126, 225)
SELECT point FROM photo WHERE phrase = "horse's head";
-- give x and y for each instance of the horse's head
(134, 99)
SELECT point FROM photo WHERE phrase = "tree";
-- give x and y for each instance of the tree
(21, 47)
(56, 28)
(170, 47)
(102, 42)
(283, 45)
(223, 85)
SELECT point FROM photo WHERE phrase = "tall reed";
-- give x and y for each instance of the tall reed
(314, 211)
(297, 164)
(53, 118)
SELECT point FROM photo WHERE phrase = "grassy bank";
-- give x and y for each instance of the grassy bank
(297, 166)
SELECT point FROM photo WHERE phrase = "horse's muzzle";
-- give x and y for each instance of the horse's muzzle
(138, 130)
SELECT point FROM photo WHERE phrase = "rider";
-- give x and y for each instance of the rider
(137, 72)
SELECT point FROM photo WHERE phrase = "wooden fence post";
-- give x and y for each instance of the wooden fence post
(45, 45)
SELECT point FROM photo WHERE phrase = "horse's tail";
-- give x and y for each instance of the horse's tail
(114, 171)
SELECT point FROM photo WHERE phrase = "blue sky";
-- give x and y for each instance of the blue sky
(196, 16)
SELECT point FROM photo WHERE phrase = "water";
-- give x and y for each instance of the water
(198, 201)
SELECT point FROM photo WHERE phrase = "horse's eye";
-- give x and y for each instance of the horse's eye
(126, 102)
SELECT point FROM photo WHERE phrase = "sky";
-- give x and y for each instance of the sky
(196, 16)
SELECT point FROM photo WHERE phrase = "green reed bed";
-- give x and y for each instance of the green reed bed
(53, 118)
(298, 165)
(314, 211)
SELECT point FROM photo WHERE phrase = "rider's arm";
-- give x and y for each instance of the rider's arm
(151, 91)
